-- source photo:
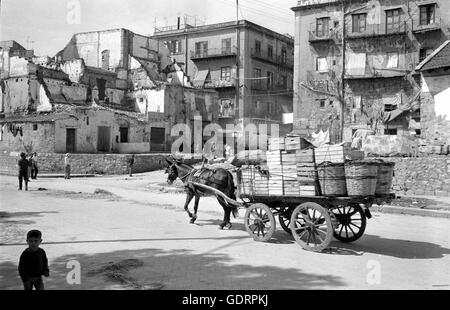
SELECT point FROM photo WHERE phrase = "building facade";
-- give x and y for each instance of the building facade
(210, 55)
(373, 47)
(435, 100)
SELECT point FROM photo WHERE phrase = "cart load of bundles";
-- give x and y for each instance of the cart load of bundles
(294, 168)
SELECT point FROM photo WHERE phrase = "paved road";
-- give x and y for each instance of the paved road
(397, 251)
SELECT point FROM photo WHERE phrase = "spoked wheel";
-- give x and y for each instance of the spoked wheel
(260, 222)
(351, 223)
(311, 226)
(285, 222)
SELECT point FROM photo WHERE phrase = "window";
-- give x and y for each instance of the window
(284, 81)
(226, 46)
(257, 47)
(257, 78)
(322, 103)
(390, 107)
(270, 51)
(123, 134)
(35, 127)
(427, 14)
(269, 80)
(322, 26)
(283, 55)
(321, 64)
(359, 22)
(105, 59)
(392, 60)
(424, 53)
(174, 46)
(87, 120)
(225, 74)
(201, 49)
(391, 132)
(392, 21)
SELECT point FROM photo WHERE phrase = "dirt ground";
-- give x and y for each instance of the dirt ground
(127, 235)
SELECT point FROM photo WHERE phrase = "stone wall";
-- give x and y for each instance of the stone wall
(50, 163)
(428, 176)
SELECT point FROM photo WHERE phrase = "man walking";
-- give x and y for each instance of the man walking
(23, 171)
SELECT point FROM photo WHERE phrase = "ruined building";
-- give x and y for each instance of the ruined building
(106, 92)
(380, 42)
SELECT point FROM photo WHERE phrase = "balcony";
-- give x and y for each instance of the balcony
(221, 83)
(375, 30)
(274, 60)
(424, 27)
(214, 53)
(324, 35)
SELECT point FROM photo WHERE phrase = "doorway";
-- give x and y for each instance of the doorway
(71, 139)
(104, 139)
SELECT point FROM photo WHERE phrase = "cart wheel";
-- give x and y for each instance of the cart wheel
(285, 222)
(311, 226)
(260, 222)
(351, 223)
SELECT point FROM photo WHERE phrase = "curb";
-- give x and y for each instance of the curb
(50, 176)
(410, 211)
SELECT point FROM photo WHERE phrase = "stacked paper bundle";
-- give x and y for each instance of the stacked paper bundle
(290, 182)
(247, 176)
(276, 144)
(306, 172)
(275, 172)
(333, 153)
(260, 184)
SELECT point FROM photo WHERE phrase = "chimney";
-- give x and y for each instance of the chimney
(178, 24)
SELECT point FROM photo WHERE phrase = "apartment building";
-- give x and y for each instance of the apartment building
(213, 58)
(377, 44)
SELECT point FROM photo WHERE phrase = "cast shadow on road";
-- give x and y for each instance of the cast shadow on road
(11, 217)
(398, 248)
(279, 236)
(173, 269)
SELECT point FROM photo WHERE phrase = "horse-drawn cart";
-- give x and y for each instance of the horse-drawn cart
(312, 221)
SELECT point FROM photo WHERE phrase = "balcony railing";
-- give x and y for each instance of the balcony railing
(221, 83)
(325, 34)
(433, 25)
(214, 53)
(275, 60)
(373, 30)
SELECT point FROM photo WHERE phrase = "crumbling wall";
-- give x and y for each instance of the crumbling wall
(430, 176)
(38, 137)
(51, 163)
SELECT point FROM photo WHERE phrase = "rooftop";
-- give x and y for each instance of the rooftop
(440, 58)
(185, 28)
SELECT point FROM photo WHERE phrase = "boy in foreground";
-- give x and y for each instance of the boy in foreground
(33, 263)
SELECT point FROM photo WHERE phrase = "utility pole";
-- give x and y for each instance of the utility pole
(344, 48)
(238, 56)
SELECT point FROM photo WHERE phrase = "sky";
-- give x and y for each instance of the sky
(47, 25)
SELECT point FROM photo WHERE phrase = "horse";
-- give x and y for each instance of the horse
(219, 179)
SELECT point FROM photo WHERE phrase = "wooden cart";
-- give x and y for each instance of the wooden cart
(312, 221)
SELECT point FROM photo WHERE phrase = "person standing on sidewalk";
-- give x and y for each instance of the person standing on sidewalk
(23, 171)
(34, 167)
(130, 165)
(67, 166)
(30, 166)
